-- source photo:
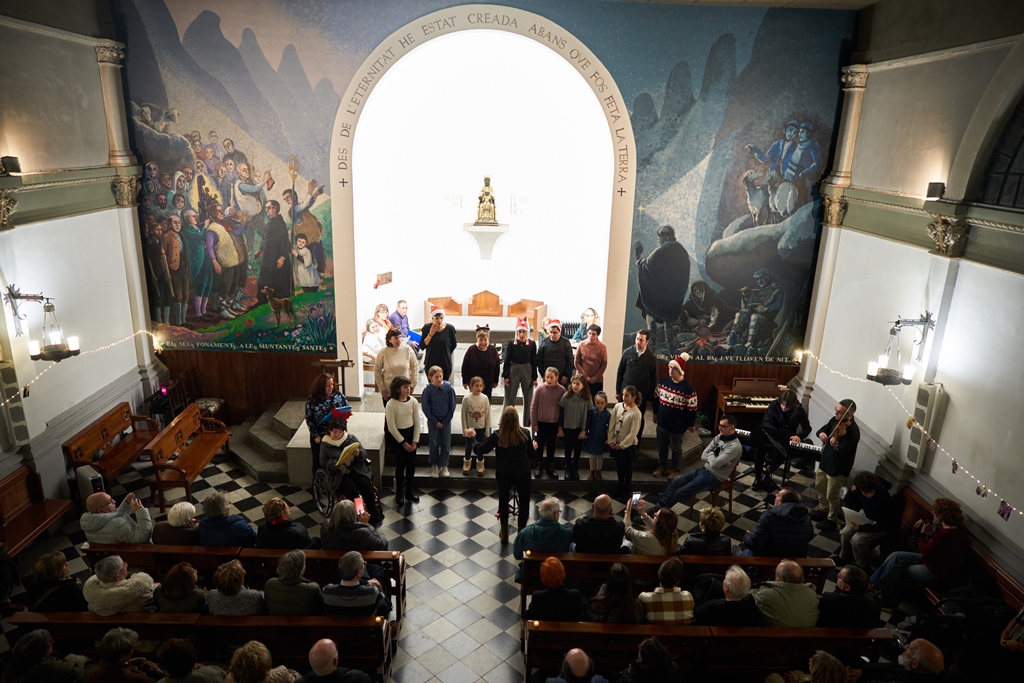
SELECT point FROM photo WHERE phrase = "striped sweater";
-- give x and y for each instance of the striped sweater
(675, 404)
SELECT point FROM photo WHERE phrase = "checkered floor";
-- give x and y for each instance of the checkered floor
(462, 623)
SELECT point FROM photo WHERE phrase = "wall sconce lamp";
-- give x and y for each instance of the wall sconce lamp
(935, 191)
(53, 346)
(881, 372)
(9, 165)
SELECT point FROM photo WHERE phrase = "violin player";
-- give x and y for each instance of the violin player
(839, 439)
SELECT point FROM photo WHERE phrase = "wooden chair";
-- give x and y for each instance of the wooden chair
(484, 304)
(208, 406)
(726, 486)
(25, 513)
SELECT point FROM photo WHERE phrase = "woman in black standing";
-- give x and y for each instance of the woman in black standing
(511, 466)
(438, 343)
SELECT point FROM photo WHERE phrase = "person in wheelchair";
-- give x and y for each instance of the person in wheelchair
(348, 468)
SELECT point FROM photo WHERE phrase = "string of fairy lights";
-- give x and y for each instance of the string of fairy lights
(983, 488)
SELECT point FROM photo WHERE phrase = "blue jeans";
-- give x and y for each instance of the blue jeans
(901, 565)
(440, 443)
(685, 486)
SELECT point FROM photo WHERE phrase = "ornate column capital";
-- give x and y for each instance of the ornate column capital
(8, 205)
(126, 189)
(948, 235)
(835, 210)
(110, 53)
(854, 76)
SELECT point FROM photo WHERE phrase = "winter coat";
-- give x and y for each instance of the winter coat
(707, 543)
(544, 535)
(783, 531)
(66, 596)
(226, 530)
(117, 526)
(355, 536)
(294, 597)
(165, 534)
(129, 595)
(285, 535)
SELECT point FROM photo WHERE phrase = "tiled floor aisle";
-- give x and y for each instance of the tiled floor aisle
(462, 624)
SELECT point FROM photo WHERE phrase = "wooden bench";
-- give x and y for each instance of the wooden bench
(183, 449)
(591, 568)
(24, 512)
(155, 560)
(111, 443)
(766, 649)
(90, 627)
(979, 562)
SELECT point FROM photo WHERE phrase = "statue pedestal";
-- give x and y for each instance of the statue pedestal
(486, 236)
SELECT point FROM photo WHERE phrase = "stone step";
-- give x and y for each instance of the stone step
(264, 437)
(289, 416)
(257, 464)
(642, 481)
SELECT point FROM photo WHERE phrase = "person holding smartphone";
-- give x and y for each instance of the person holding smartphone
(107, 522)
(659, 536)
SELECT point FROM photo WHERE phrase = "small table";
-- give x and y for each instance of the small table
(335, 364)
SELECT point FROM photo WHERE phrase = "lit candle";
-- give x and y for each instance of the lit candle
(33, 347)
(908, 371)
(73, 343)
(872, 369)
(883, 361)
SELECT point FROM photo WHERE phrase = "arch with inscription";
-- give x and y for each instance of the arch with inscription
(528, 25)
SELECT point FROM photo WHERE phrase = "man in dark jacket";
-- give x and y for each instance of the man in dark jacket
(639, 367)
(737, 608)
(869, 495)
(784, 413)
(839, 439)
(556, 352)
(600, 531)
(220, 528)
(323, 663)
(783, 531)
(849, 605)
(547, 534)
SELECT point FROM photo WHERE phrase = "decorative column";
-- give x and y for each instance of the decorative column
(854, 80)
(8, 206)
(109, 55)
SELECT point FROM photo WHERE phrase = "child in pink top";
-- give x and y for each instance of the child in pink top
(545, 415)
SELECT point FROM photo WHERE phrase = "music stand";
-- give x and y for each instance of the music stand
(778, 439)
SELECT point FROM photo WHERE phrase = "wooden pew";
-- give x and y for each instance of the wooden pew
(111, 443)
(591, 568)
(24, 513)
(183, 449)
(363, 642)
(155, 560)
(766, 649)
(90, 627)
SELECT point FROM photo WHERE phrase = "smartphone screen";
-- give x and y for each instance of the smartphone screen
(636, 497)
(360, 507)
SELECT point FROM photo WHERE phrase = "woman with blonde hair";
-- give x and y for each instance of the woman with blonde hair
(231, 597)
(251, 663)
(709, 540)
(513, 452)
(53, 589)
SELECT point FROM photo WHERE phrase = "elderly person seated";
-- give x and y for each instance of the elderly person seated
(279, 531)
(577, 667)
(737, 608)
(354, 596)
(323, 662)
(30, 662)
(555, 602)
(178, 591)
(921, 661)
(346, 530)
(251, 663)
(547, 534)
(231, 597)
(709, 540)
(289, 594)
(660, 535)
(116, 664)
(53, 589)
(600, 531)
(110, 591)
(181, 527)
(179, 659)
(107, 522)
(220, 528)
(787, 601)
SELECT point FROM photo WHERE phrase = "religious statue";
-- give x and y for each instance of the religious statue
(485, 204)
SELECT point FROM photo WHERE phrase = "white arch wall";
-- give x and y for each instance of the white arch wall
(531, 26)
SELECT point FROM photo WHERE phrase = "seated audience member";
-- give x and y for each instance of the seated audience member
(180, 661)
(942, 546)
(920, 661)
(720, 459)
(555, 602)
(668, 603)
(869, 495)
(598, 532)
(231, 597)
(107, 522)
(251, 663)
(279, 531)
(30, 662)
(323, 664)
(577, 667)
(110, 591)
(547, 534)
(181, 527)
(653, 664)
(346, 530)
(787, 601)
(289, 593)
(178, 591)
(709, 540)
(354, 596)
(659, 537)
(116, 664)
(823, 668)
(737, 608)
(615, 602)
(220, 528)
(849, 605)
(784, 530)
(53, 589)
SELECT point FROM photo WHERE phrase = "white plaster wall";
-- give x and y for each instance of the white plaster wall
(79, 263)
(981, 370)
(914, 117)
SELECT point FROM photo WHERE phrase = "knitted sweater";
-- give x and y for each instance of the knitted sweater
(576, 408)
(625, 426)
(544, 407)
(592, 360)
(392, 363)
(476, 414)
(675, 404)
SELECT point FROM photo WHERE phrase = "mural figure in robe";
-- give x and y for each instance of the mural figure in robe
(663, 278)
(276, 255)
(757, 319)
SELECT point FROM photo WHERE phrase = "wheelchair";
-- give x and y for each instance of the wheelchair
(326, 491)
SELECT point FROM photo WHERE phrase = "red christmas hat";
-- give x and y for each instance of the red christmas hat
(680, 362)
(555, 322)
(522, 324)
(435, 309)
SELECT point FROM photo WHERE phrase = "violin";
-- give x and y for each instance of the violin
(839, 431)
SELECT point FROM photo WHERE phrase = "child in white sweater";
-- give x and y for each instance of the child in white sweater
(476, 423)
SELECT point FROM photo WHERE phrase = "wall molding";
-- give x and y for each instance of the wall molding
(940, 55)
(61, 34)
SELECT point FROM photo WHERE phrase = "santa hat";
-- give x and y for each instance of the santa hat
(555, 322)
(521, 324)
(679, 362)
(339, 415)
(435, 309)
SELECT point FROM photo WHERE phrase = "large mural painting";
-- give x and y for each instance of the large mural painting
(732, 109)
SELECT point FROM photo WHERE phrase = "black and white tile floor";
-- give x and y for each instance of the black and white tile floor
(462, 623)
